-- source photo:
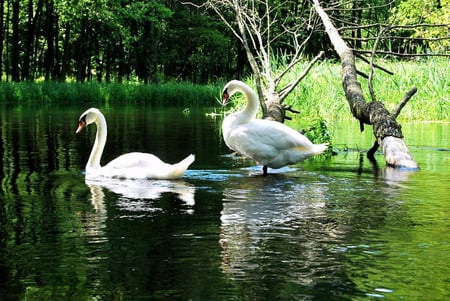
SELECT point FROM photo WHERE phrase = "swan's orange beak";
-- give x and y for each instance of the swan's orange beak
(225, 98)
(81, 126)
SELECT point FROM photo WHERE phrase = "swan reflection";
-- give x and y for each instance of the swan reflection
(133, 192)
(275, 216)
(95, 221)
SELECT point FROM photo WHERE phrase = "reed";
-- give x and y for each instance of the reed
(63, 93)
(321, 93)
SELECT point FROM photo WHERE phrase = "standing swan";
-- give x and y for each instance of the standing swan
(269, 143)
(128, 166)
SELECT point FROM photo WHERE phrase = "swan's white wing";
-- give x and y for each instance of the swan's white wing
(133, 160)
(282, 133)
(266, 135)
(135, 166)
(143, 165)
(269, 142)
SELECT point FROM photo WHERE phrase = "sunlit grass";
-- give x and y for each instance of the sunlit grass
(321, 93)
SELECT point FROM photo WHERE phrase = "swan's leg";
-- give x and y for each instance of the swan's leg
(265, 170)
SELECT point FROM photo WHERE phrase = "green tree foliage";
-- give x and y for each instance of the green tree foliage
(164, 40)
(110, 40)
(424, 12)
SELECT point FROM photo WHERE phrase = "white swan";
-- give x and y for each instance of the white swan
(128, 166)
(269, 143)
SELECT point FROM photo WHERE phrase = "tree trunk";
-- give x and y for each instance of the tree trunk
(2, 35)
(67, 50)
(387, 131)
(28, 43)
(273, 109)
(49, 33)
(15, 57)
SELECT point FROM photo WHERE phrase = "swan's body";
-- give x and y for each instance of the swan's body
(128, 166)
(269, 143)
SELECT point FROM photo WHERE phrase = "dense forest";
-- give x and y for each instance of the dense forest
(154, 41)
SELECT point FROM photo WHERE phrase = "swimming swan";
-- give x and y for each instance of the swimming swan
(128, 166)
(269, 143)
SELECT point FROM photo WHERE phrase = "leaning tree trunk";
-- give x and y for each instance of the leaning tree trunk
(387, 131)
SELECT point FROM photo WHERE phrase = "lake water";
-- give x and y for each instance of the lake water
(336, 229)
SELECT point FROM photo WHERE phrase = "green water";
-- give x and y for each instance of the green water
(340, 229)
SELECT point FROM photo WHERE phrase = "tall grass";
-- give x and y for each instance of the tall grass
(62, 93)
(321, 92)
(319, 95)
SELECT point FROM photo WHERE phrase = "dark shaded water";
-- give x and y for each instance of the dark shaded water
(340, 229)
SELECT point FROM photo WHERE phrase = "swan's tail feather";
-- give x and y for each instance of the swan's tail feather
(187, 161)
(180, 168)
(318, 149)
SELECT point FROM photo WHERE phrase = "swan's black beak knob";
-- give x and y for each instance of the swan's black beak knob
(81, 126)
(225, 98)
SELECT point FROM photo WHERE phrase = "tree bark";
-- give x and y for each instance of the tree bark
(386, 130)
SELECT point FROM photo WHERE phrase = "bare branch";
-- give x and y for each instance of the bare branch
(375, 65)
(291, 86)
(296, 58)
(360, 73)
(259, 25)
(397, 38)
(403, 102)
(362, 8)
(377, 25)
(402, 54)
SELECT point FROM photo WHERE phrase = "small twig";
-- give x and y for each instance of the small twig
(335, 8)
(403, 102)
(348, 38)
(287, 89)
(375, 65)
(362, 74)
(290, 109)
(413, 26)
(403, 54)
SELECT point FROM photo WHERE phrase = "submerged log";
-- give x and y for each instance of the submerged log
(387, 131)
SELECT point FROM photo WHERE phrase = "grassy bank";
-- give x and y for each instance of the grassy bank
(321, 93)
(61, 93)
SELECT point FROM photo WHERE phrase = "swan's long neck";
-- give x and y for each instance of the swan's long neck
(99, 144)
(250, 110)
